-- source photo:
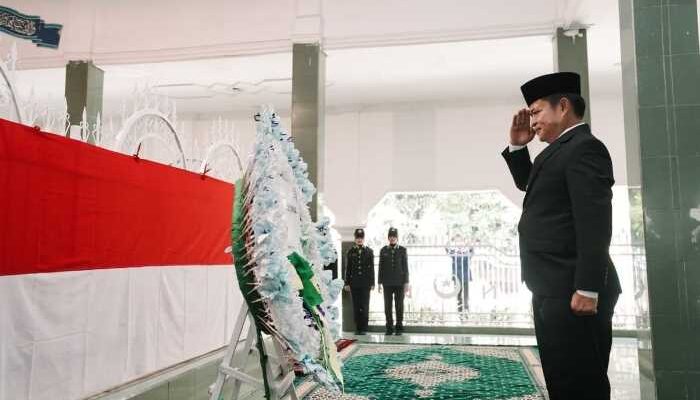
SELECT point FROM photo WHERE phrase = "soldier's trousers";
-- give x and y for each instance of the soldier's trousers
(396, 294)
(360, 307)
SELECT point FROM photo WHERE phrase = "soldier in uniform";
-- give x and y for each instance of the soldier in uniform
(359, 280)
(393, 280)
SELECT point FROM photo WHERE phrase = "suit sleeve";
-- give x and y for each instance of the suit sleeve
(404, 265)
(371, 257)
(381, 268)
(519, 165)
(589, 179)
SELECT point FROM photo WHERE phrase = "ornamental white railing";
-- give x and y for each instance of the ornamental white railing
(496, 296)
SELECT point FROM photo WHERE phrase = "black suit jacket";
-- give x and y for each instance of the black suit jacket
(393, 266)
(566, 224)
(359, 271)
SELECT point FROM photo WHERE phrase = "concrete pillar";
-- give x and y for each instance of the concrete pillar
(308, 86)
(571, 55)
(308, 91)
(84, 85)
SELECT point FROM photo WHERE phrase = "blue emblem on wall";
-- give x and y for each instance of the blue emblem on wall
(29, 27)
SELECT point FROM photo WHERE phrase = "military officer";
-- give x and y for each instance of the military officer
(393, 280)
(359, 280)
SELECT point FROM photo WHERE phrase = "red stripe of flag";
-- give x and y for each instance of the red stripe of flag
(66, 205)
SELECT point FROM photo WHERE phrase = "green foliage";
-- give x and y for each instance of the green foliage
(244, 274)
(484, 218)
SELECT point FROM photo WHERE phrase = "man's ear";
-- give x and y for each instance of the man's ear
(565, 105)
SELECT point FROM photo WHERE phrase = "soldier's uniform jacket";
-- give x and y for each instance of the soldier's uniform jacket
(359, 271)
(393, 266)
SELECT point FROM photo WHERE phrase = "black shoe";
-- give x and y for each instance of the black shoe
(361, 333)
(389, 332)
(398, 333)
(357, 332)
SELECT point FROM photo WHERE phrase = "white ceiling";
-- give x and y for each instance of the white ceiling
(472, 71)
(469, 72)
(449, 70)
(465, 71)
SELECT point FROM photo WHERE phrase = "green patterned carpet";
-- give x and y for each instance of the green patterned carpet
(398, 372)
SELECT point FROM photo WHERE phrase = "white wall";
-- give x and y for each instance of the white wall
(419, 147)
(407, 147)
(609, 126)
(411, 148)
(432, 148)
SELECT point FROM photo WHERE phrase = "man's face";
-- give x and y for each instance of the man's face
(359, 241)
(546, 120)
(393, 240)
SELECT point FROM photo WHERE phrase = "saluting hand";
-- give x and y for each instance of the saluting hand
(582, 305)
(520, 131)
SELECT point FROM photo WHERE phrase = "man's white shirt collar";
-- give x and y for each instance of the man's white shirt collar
(570, 128)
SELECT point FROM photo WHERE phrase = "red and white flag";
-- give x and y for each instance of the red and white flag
(111, 267)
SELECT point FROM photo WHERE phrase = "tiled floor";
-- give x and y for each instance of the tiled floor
(192, 385)
(624, 370)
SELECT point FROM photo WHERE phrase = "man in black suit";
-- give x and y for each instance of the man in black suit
(565, 232)
(393, 280)
(359, 280)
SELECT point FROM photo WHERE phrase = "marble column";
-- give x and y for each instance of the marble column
(661, 85)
